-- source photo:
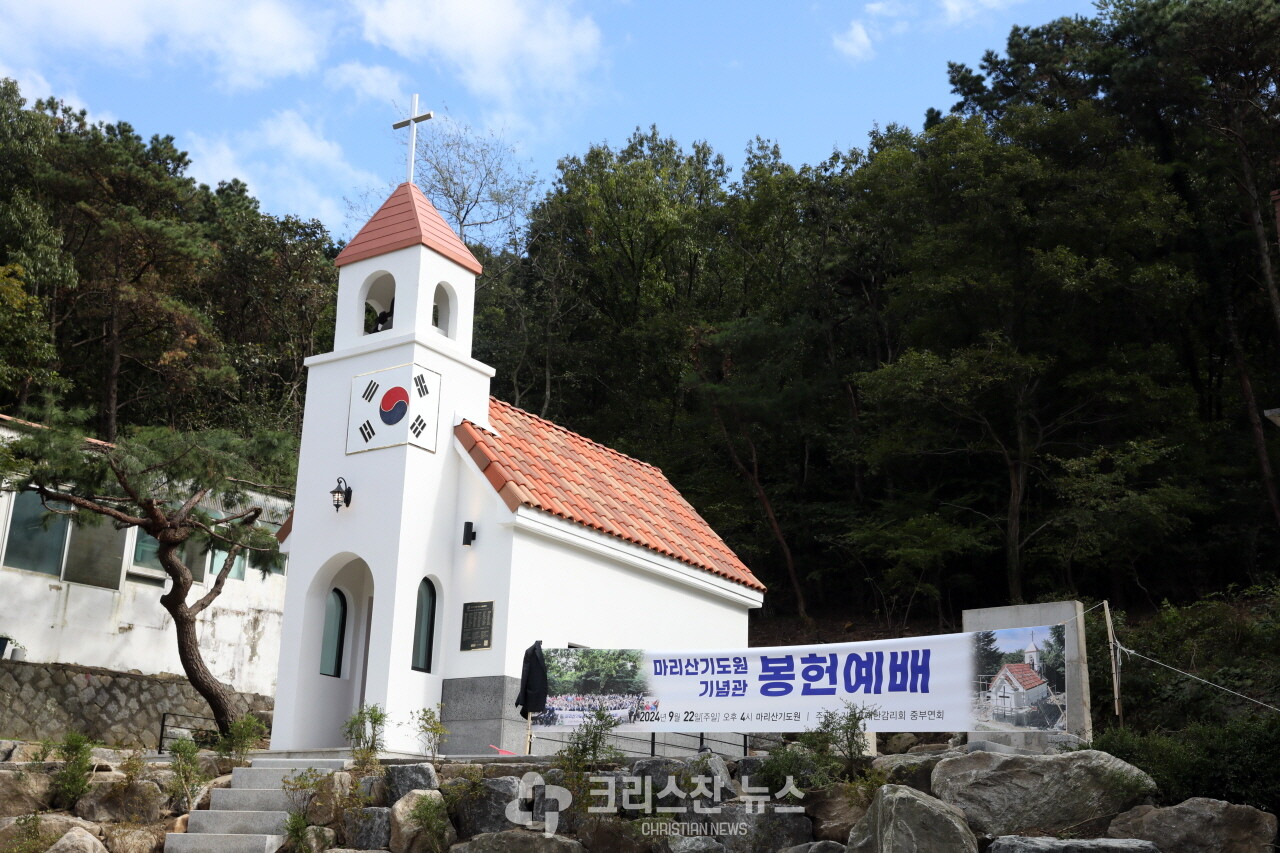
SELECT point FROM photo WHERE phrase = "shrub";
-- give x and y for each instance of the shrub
(31, 836)
(1234, 761)
(426, 723)
(364, 730)
(431, 817)
(838, 742)
(187, 780)
(295, 832)
(245, 734)
(793, 764)
(71, 782)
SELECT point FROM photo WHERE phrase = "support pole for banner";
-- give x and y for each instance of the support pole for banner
(1115, 660)
(528, 736)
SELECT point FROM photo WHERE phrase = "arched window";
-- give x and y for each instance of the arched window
(424, 626)
(442, 311)
(335, 629)
(380, 304)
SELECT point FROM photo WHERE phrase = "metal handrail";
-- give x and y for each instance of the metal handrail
(166, 728)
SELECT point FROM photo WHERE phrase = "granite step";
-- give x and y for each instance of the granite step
(186, 842)
(236, 822)
(317, 763)
(268, 777)
(249, 800)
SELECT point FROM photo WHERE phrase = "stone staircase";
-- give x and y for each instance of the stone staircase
(249, 816)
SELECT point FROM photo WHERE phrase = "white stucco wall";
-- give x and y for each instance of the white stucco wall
(124, 629)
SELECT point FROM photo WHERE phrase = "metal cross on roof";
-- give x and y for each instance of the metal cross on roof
(412, 124)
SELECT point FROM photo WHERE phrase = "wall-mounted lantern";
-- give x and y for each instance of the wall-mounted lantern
(468, 533)
(341, 495)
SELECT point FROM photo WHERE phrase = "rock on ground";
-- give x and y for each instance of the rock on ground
(899, 742)
(817, 847)
(913, 768)
(482, 807)
(833, 813)
(613, 835)
(693, 844)
(53, 824)
(767, 830)
(23, 792)
(323, 808)
(1199, 824)
(404, 832)
(904, 820)
(403, 778)
(77, 841)
(518, 841)
(1002, 794)
(140, 801)
(133, 840)
(321, 839)
(368, 828)
(1023, 844)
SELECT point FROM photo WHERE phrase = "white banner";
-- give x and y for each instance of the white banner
(994, 680)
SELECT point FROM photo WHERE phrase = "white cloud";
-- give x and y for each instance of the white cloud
(368, 82)
(855, 42)
(958, 11)
(888, 9)
(35, 86)
(503, 50)
(246, 42)
(286, 161)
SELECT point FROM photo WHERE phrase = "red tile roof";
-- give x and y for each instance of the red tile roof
(1023, 673)
(533, 462)
(405, 219)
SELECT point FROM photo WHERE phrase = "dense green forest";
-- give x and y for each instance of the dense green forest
(1021, 354)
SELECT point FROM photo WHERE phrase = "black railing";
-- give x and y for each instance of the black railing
(202, 730)
(727, 742)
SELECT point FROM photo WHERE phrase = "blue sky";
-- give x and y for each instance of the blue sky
(297, 98)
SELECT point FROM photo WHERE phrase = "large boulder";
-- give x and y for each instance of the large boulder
(904, 820)
(405, 832)
(403, 778)
(140, 801)
(1023, 844)
(765, 830)
(1002, 794)
(368, 828)
(912, 768)
(205, 797)
(613, 835)
(23, 792)
(139, 840)
(817, 847)
(321, 839)
(1199, 824)
(481, 807)
(326, 805)
(56, 825)
(518, 841)
(77, 841)
(833, 813)
(693, 844)
(898, 743)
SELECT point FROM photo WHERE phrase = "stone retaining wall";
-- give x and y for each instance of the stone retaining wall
(45, 700)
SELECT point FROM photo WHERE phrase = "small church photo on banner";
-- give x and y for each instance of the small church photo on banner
(1005, 680)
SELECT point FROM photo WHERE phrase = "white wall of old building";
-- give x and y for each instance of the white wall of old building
(117, 621)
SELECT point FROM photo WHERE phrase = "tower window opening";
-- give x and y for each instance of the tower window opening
(380, 305)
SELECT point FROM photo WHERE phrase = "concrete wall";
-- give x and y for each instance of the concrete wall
(1077, 660)
(46, 700)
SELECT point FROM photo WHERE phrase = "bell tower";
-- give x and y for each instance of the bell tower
(372, 583)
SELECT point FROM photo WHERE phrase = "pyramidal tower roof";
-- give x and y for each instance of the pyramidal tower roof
(408, 218)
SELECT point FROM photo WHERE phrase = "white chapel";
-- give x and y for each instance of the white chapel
(438, 532)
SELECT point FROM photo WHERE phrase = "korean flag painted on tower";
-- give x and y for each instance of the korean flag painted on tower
(399, 405)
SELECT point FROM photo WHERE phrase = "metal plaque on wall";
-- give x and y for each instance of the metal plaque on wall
(477, 625)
